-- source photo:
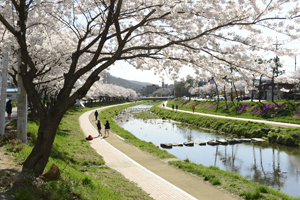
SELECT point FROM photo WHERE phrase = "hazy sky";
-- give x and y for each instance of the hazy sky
(125, 71)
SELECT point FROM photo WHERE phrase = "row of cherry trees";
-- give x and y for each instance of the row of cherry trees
(110, 90)
(54, 43)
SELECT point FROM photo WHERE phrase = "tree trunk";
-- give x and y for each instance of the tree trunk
(38, 158)
(273, 87)
(218, 95)
(236, 92)
(231, 95)
(259, 92)
(252, 90)
(225, 98)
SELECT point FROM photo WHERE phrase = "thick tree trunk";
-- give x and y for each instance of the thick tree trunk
(38, 158)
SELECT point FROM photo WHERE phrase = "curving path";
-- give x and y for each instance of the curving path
(153, 175)
(241, 119)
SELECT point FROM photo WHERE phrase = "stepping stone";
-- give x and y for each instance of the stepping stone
(189, 143)
(257, 140)
(221, 141)
(212, 142)
(166, 145)
(238, 140)
(201, 143)
(246, 140)
(232, 141)
(177, 144)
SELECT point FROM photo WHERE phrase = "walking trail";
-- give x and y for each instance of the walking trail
(153, 175)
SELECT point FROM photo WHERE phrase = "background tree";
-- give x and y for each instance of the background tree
(179, 89)
(74, 39)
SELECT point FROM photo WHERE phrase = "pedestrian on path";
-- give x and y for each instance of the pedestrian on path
(173, 107)
(9, 109)
(107, 127)
(96, 115)
(99, 127)
(193, 107)
(176, 107)
(163, 105)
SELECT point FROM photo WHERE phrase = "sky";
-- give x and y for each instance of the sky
(125, 71)
(128, 72)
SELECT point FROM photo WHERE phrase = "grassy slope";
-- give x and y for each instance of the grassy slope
(71, 153)
(284, 112)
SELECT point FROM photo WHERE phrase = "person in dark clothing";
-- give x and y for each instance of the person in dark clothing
(107, 127)
(99, 127)
(173, 107)
(48, 105)
(9, 109)
(96, 115)
(176, 107)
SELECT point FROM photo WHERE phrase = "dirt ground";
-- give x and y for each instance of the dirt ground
(10, 170)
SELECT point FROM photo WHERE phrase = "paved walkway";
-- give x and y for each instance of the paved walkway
(153, 175)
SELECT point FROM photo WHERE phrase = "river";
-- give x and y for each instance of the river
(275, 166)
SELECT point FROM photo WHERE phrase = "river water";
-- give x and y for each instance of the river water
(272, 165)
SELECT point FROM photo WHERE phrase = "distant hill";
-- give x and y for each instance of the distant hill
(135, 85)
(141, 83)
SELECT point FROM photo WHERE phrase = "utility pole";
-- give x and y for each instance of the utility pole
(276, 60)
(3, 91)
(22, 106)
(295, 94)
(295, 63)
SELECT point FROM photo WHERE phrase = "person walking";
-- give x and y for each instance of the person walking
(99, 127)
(176, 107)
(96, 115)
(193, 107)
(107, 127)
(8, 109)
(173, 107)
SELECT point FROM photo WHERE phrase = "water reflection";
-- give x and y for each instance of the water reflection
(272, 165)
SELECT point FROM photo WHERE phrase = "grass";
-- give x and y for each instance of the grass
(78, 181)
(284, 111)
(145, 115)
(231, 182)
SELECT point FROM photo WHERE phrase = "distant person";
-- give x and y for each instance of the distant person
(99, 127)
(48, 105)
(176, 107)
(163, 105)
(107, 127)
(9, 109)
(173, 107)
(96, 115)
(193, 107)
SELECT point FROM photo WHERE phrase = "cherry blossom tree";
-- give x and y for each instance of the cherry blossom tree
(62, 41)
(110, 90)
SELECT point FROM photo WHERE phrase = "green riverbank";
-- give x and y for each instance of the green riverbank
(73, 155)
